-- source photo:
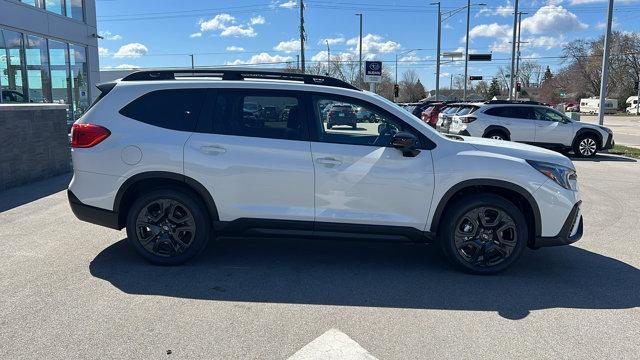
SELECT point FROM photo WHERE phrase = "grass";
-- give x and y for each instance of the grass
(625, 151)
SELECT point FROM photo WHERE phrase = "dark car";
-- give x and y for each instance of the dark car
(416, 108)
(341, 115)
(268, 113)
(12, 96)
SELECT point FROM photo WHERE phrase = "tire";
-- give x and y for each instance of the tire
(470, 255)
(166, 244)
(496, 135)
(586, 146)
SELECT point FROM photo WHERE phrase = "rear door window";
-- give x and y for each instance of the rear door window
(175, 109)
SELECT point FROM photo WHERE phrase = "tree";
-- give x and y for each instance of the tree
(494, 89)
(411, 90)
(547, 75)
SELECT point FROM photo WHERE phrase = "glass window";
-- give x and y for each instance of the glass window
(74, 9)
(79, 80)
(252, 114)
(37, 3)
(515, 112)
(350, 121)
(548, 115)
(176, 109)
(54, 6)
(60, 76)
(12, 78)
(37, 60)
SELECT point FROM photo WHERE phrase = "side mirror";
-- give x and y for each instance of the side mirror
(406, 142)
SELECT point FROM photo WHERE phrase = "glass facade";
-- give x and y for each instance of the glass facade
(36, 69)
(68, 8)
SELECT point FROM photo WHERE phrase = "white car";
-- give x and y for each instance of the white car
(535, 124)
(172, 158)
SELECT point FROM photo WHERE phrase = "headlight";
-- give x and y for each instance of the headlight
(558, 173)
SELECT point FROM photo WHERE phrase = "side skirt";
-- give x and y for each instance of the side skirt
(251, 227)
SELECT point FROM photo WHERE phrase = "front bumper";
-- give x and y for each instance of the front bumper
(610, 143)
(571, 230)
(93, 214)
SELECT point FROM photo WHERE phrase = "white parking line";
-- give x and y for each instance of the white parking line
(332, 345)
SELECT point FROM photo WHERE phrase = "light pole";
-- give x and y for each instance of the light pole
(438, 50)
(605, 66)
(328, 57)
(360, 47)
(517, 75)
(400, 54)
(513, 49)
(466, 50)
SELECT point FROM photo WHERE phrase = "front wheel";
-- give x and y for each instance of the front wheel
(168, 226)
(483, 233)
(586, 146)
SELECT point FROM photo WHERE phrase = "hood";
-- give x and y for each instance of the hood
(518, 150)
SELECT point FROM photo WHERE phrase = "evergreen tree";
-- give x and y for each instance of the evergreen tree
(494, 89)
(547, 75)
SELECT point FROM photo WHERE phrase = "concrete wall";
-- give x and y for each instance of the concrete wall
(34, 143)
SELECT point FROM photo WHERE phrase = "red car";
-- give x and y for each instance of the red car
(430, 114)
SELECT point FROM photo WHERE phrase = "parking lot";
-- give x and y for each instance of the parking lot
(74, 290)
(625, 127)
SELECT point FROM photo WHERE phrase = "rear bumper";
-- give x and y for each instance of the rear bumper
(93, 214)
(571, 230)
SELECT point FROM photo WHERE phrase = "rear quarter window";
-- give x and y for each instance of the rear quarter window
(175, 109)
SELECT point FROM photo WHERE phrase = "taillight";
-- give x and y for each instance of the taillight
(87, 135)
(468, 119)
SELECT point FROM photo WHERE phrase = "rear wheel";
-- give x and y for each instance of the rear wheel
(586, 146)
(497, 135)
(168, 226)
(483, 233)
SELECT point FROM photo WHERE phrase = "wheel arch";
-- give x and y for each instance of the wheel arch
(154, 179)
(495, 128)
(586, 131)
(522, 198)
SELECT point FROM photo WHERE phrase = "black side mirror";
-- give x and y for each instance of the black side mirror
(406, 142)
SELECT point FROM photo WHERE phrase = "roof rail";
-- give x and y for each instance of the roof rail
(513, 102)
(237, 75)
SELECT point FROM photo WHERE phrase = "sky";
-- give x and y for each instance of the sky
(265, 33)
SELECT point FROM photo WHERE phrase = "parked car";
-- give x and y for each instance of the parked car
(174, 162)
(365, 115)
(12, 96)
(430, 113)
(416, 108)
(592, 105)
(342, 115)
(632, 102)
(446, 115)
(535, 124)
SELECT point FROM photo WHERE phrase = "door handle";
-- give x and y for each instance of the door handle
(329, 162)
(213, 149)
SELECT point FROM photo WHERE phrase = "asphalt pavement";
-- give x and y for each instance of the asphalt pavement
(75, 290)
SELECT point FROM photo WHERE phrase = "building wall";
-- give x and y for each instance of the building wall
(31, 20)
(34, 143)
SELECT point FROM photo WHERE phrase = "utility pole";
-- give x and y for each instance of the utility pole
(193, 64)
(328, 58)
(466, 53)
(302, 35)
(518, 49)
(438, 50)
(605, 65)
(513, 49)
(360, 79)
(298, 62)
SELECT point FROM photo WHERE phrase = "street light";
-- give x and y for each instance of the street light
(360, 46)
(404, 53)
(450, 14)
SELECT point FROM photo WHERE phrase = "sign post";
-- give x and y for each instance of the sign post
(373, 74)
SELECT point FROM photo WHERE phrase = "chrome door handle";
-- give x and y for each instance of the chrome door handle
(213, 149)
(329, 161)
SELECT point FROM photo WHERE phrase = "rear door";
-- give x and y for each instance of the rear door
(254, 167)
(515, 119)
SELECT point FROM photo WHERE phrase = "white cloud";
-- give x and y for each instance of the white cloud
(582, 2)
(218, 22)
(257, 20)
(289, 4)
(107, 35)
(239, 31)
(262, 58)
(547, 42)
(226, 24)
(234, 48)
(320, 56)
(120, 67)
(493, 30)
(288, 46)
(133, 50)
(603, 24)
(195, 35)
(501, 10)
(332, 41)
(373, 44)
(552, 19)
(104, 52)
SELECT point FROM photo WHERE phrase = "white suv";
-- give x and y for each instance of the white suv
(177, 157)
(535, 124)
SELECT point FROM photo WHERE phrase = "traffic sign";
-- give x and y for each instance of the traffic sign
(479, 57)
(373, 71)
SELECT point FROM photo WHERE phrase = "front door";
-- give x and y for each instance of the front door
(359, 178)
(552, 128)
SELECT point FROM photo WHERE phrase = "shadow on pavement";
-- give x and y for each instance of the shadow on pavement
(603, 157)
(375, 275)
(24, 194)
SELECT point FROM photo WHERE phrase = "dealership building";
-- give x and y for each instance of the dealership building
(49, 53)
